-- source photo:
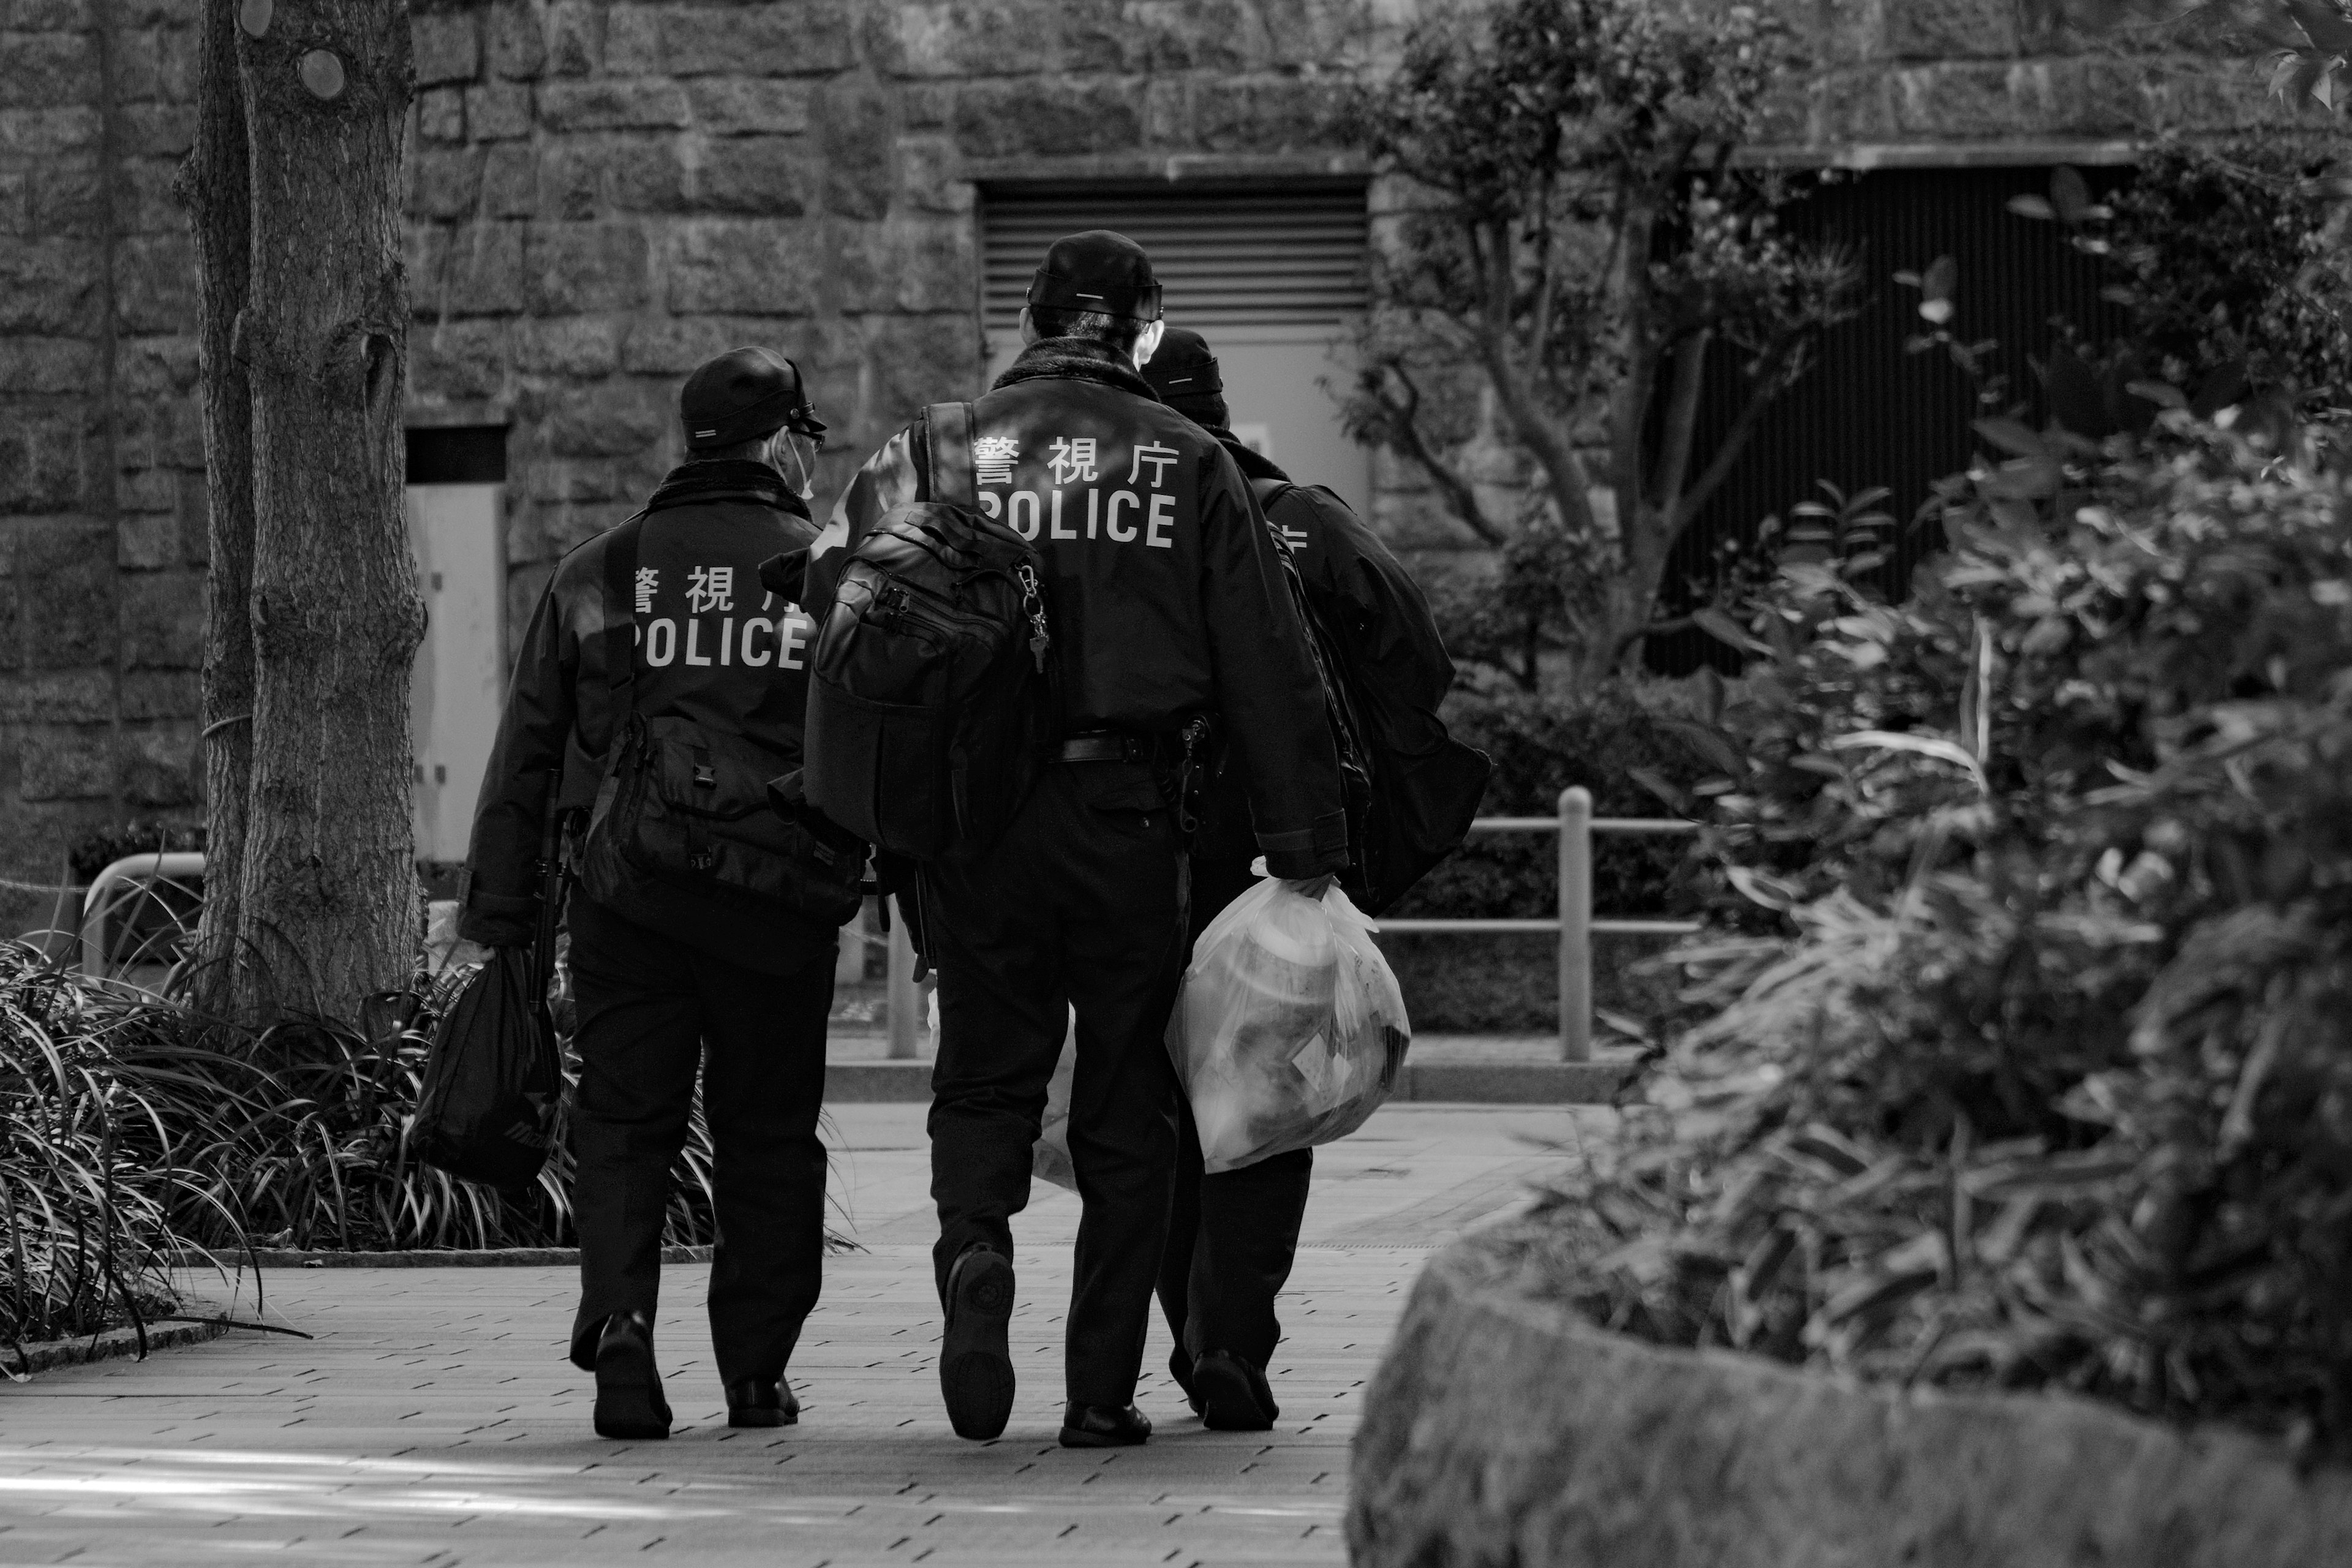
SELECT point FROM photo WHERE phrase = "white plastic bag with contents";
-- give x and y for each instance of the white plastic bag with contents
(1049, 1158)
(1290, 1028)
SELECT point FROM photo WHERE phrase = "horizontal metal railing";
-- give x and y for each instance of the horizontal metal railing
(119, 889)
(1575, 923)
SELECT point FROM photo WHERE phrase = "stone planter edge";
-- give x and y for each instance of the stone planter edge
(1505, 1430)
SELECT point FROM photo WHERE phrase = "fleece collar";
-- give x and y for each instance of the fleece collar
(1077, 359)
(729, 478)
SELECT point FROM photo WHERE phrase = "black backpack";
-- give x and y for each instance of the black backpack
(685, 806)
(1416, 797)
(932, 689)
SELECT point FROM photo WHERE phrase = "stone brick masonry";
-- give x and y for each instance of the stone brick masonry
(603, 193)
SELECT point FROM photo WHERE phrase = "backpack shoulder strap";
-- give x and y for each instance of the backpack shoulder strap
(946, 431)
(1269, 491)
(620, 614)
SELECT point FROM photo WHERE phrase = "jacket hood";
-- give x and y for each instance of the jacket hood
(1077, 359)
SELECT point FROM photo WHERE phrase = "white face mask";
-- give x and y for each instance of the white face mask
(808, 482)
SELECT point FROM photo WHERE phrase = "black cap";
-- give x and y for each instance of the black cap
(741, 395)
(1097, 271)
(1184, 373)
(1183, 365)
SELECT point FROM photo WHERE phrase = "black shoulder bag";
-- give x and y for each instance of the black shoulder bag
(686, 807)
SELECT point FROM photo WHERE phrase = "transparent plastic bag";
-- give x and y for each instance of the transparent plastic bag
(1049, 1157)
(1290, 1028)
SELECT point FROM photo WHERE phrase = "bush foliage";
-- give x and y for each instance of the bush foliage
(133, 1130)
(2052, 1085)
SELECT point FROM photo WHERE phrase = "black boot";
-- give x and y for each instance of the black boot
(1103, 1426)
(1180, 1367)
(629, 1402)
(1231, 1394)
(975, 1356)
(761, 1402)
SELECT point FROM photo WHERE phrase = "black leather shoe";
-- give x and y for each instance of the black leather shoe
(761, 1402)
(1103, 1426)
(976, 1358)
(629, 1402)
(1180, 1367)
(1231, 1394)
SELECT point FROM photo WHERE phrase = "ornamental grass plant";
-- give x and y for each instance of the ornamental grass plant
(2045, 1079)
(135, 1133)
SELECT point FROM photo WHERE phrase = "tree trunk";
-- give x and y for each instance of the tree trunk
(213, 187)
(327, 881)
(1630, 601)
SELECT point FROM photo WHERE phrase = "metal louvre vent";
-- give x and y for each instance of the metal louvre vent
(1227, 257)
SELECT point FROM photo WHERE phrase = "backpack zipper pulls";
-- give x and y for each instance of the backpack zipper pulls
(1040, 639)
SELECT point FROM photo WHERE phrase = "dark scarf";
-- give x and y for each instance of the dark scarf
(727, 478)
(1077, 359)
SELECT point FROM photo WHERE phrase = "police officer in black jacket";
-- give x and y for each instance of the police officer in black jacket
(1168, 607)
(1232, 1235)
(666, 976)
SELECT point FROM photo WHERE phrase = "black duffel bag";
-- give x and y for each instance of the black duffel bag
(494, 1075)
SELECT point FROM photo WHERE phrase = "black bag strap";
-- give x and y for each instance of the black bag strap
(947, 429)
(1270, 491)
(620, 618)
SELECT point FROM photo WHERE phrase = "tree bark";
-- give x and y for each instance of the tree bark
(327, 888)
(212, 184)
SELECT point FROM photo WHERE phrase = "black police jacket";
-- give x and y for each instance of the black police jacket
(1396, 658)
(1166, 587)
(712, 646)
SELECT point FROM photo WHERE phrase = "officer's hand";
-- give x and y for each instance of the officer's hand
(1309, 886)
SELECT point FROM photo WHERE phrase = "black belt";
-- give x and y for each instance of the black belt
(1106, 746)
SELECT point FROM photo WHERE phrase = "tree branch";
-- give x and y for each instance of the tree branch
(1761, 391)
(1682, 419)
(1405, 435)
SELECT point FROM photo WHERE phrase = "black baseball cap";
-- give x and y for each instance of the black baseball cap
(1097, 271)
(1183, 365)
(741, 395)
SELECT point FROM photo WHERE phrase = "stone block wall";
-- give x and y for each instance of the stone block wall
(101, 461)
(606, 192)
(605, 195)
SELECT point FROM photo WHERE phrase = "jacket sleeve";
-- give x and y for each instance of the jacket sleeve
(889, 479)
(1267, 690)
(500, 907)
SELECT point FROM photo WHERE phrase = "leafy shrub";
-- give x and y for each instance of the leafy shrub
(133, 1129)
(2049, 1084)
(2226, 257)
(97, 1112)
(1631, 743)
(96, 851)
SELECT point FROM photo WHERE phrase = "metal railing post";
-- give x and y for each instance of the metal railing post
(1575, 925)
(903, 999)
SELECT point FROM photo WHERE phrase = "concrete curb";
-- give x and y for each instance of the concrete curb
(1503, 1427)
(500, 1257)
(50, 1355)
(1468, 1083)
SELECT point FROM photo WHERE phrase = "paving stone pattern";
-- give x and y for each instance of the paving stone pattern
(432, 1421)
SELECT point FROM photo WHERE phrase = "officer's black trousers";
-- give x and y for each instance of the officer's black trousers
(1081, 904)
(1231, 1237)
(651, 1010)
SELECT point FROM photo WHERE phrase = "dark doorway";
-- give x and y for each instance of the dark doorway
(1869, 413)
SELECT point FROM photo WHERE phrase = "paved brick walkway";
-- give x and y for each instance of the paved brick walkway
(432, 1421)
